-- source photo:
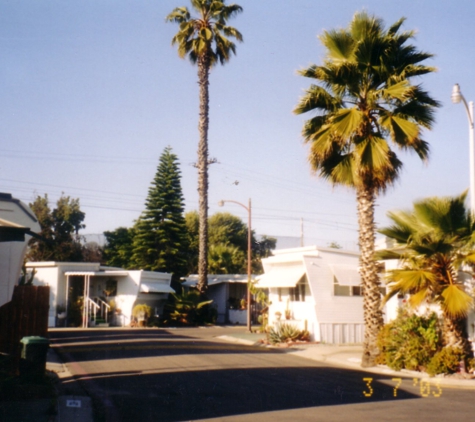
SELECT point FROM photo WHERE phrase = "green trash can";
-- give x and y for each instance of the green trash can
(33, 356)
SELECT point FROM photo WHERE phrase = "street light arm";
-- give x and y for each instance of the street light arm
(456, 97)
(469, 111)
(221, 203)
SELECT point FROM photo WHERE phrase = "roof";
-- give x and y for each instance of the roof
(192, 280)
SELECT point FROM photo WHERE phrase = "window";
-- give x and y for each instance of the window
(339, 290)
(298, 293)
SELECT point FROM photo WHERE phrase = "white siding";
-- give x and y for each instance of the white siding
(328, 307)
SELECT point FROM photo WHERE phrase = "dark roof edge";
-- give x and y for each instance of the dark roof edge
(7, 197)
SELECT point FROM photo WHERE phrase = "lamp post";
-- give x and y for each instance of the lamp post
(456, 98)
(249, 237)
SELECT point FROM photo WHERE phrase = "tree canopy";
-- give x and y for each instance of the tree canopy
(118, 249)
(59, 229)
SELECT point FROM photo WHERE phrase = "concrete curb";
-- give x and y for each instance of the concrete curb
(350, 357)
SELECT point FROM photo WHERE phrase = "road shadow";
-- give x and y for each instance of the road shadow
(191, 395)
(108, 345)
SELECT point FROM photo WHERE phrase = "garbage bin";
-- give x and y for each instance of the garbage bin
(33, 356)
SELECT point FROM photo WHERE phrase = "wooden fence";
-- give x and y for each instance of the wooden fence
(25, 315)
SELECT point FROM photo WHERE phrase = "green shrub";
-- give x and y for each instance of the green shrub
(283, 332)
(190, 308)
(410, 341)
(445, 361)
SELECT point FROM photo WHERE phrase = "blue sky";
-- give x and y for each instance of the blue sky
(91, 92)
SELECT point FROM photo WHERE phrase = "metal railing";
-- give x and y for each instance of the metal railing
(104, 308)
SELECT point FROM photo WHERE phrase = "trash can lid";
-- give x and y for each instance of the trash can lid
(34, 340)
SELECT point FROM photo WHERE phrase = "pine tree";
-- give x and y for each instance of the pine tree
(160, 240)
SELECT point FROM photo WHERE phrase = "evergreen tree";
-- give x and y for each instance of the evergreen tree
(160, 240)
(118, 249)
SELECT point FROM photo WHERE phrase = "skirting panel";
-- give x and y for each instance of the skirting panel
(332, 333)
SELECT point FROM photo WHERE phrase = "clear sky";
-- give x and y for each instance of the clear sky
(91, 92)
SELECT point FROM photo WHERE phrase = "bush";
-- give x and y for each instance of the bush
(283, 332)
(190, 308)
(445, 361)
(142, 313)
(410, 341)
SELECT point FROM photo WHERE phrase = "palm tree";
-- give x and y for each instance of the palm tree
(433, 244)
(226, 259)
(204, 39)
(365, 106)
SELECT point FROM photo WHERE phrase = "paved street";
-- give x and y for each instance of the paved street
(190, 374)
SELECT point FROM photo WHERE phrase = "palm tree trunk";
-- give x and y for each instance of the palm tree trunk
(455, 335)
(203, 81)
(369, 274)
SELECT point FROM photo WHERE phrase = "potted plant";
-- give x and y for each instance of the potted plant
(288, 312)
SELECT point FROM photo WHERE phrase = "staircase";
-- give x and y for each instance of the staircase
(99, 312)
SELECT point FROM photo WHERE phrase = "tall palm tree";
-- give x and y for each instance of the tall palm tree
(204, 39)
(366, 106)
(435, 246)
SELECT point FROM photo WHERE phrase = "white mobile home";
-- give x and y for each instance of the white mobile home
(317, 289)
(84, 292)
(17, 224)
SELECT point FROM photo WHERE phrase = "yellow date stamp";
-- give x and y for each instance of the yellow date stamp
(427, 388)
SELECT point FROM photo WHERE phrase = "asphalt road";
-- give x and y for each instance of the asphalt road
(189, 374)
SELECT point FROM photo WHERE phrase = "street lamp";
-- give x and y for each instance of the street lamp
(249, 237)
(456, 98)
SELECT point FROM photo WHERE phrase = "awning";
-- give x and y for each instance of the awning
(97, 273)
(281, 276)
(149, 287)
(346, 275)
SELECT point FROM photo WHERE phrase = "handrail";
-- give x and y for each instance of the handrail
(102, 302)
(104, 307)
(88, 303)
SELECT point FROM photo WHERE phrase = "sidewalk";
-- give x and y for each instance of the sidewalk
(69, 408)
(347, 356)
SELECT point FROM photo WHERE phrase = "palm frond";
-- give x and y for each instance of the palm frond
(373, 153)
(346, 121)
(456, 302)
(318, 98)
(339, 44)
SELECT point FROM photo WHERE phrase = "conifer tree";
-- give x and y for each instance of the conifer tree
(160, 239)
